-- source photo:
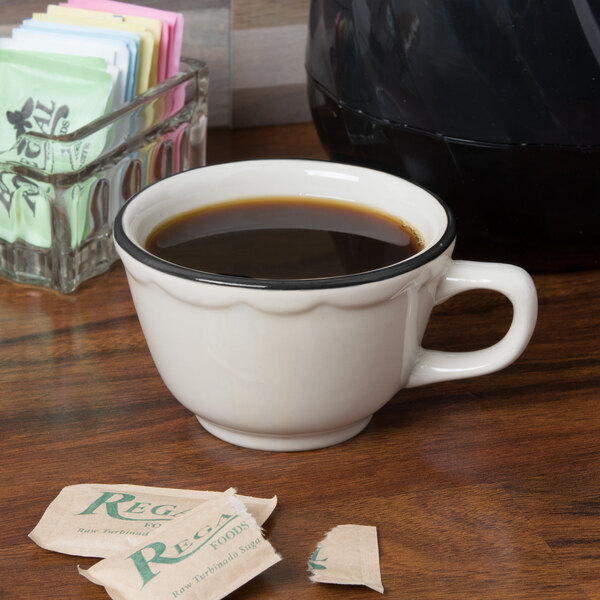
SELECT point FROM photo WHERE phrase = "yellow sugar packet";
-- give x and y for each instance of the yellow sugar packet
(348, 555)
(207, 554)
(100, 520)
(152, 26)
(146, 39)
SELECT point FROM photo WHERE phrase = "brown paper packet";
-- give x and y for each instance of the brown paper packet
(101, 520)
(348, 555)
(208, 553)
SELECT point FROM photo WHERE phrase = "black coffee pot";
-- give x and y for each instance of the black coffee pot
(493, 105)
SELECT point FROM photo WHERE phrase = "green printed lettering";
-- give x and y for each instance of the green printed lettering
(223, 518)
(166, 509)
(182, 546)
(111, 507)
(112, 501)
(138, 507)
(202, 532)
(142, 563)
(142, 559)
(315, 562)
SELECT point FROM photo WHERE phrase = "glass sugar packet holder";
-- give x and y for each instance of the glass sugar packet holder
(59, 194)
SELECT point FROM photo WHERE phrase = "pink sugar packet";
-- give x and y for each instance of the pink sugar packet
(171, 34)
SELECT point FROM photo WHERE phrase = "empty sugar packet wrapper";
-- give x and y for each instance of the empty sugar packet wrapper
(348, 555)
(207, 554)
(101, 520)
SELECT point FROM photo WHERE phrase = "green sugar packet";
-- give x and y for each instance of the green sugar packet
(52, 95)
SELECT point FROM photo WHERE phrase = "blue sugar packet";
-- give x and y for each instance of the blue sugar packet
(131, 40)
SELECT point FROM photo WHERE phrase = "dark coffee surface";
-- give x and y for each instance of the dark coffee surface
(284, 238)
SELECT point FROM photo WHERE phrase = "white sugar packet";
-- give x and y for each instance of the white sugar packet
(101, 520)
(206, 554)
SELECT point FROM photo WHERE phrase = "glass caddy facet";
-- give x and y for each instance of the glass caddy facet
(59, 194)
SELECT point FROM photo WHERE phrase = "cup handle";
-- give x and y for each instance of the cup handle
(517, 285)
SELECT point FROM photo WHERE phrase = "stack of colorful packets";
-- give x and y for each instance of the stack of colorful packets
(138, 46)
(102, 54)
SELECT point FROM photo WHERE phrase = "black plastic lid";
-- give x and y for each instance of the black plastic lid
(497, 71)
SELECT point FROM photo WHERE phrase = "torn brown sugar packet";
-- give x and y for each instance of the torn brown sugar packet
(208, 553)
(348, 555)
(100, 520)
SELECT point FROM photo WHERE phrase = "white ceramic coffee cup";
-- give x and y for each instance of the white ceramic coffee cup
(302, 364)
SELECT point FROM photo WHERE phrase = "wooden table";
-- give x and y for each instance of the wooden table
(482, 488)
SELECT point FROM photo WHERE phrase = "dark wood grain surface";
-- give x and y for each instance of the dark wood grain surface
(483, 488)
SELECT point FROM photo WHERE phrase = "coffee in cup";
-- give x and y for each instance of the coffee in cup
(284, 238)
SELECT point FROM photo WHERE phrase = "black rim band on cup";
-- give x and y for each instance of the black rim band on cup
(145, 257)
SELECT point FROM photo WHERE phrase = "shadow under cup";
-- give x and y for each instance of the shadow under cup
(289, 364)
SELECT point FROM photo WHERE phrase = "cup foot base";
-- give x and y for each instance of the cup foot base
(283, 443)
